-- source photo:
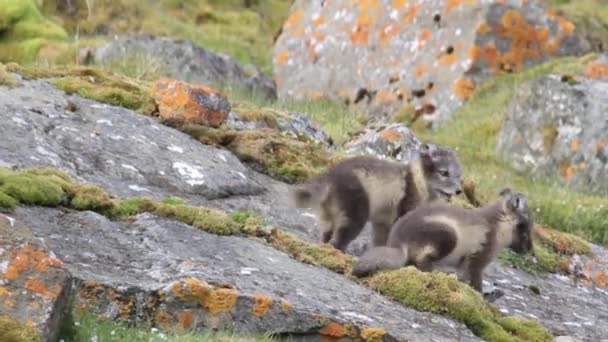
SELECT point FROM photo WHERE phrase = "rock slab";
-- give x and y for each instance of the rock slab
(383, 55)
(154, 269)
(555, 129)
(34, 284)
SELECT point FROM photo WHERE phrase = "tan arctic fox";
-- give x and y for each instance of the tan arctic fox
(365, 188)
(440, 234)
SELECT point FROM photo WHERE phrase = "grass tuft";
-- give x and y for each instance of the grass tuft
(12, 330)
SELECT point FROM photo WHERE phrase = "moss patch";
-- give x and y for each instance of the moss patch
(275, 153)
(13, 331)
(6, 79)
(24, 30)
(590, 18)
(95, 84)
(443, 294)
(315, 254)
(473, 132)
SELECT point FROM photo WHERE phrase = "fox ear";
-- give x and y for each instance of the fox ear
(505, 192)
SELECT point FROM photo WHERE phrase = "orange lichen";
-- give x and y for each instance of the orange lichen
(385, 96)
(372, 334)
(451, 4)
(483, 28)
(185, 319)
(333, 329)
(410, 14)
(420, 70)
(214, 300)
(600, 278)
(567, 26)
(464, 88)
(448, 59)
(38, 287)
(518, 138)
(390, 135)
(283, 57)
(574, 144)
(397, 4)
(318, 21)
(4, 291)
(388, 31)
(360, 35)
(262, 304)
(164, 318)
(601, 143)
(293, 19)
(425, 34)
(27, 258)
(596, 70)
(286, 306)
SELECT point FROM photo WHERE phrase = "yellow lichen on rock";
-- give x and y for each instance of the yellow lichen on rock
(371, 334)
(262, 304)
(214, 300)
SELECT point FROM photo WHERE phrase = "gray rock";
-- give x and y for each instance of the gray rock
(149, 256)
(396, 141)
(125, 152)
(383, 55)
(35, 286)
(557, 130)
(185, 61)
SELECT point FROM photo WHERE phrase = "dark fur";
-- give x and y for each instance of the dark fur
(428, 242)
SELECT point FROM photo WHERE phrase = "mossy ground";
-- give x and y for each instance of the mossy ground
(24, 30)
(6, 79)
(473, 133)
(278, 154)
(443, 294)
(14, 331)
(96, 84)
(229, 26)
(83, 326)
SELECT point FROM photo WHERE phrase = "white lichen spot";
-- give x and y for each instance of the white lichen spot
(574, 324)
(138, 188)
(19, 121)
(192, 174)
(129, 167)
(104, 122)
(242, 175)
(458, 32)
(505, 311)
(393, 15)
(356, 315)
(110, 162)
(222, 157)
(175, 149)
(3, 266)
(116, 137)
(309, 215)
(248, 270)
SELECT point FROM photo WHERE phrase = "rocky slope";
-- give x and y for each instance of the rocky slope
(149, 267)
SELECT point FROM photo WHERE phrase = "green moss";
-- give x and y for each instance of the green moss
(90, 197)
(31, 189)
(207, 219)
(473, 132)
(278, 154)
(173, 201)
(250, 222)
(24, 30)
(249, 112)
(590, 18)
(549, 134)
(7, 202)
(443, 294)
(12, 330)
(6, 78)
(315, 254)
(95, 84)
(547, 260)
(405, 115)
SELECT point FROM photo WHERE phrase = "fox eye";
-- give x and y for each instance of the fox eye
(444, 173)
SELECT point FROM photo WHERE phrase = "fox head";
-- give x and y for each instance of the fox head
(442, 171)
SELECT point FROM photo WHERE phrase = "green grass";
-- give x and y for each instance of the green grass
(82, 326)
(473, 133)
(227, 26)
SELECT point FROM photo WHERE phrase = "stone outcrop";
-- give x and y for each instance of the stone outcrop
(185, 61)
(393, 141)
(183, 103)
(556, 128)
(34, 284)
(382, 55)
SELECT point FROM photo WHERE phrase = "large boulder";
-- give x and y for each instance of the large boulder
(382, 55)
(556, 128)
(185, 61)
(34, 285)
